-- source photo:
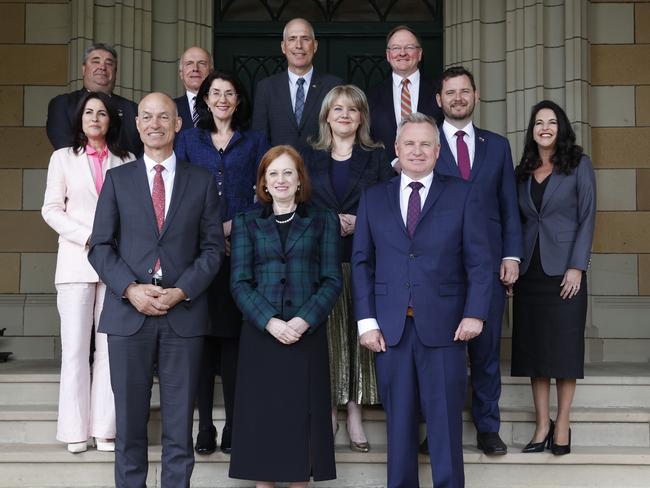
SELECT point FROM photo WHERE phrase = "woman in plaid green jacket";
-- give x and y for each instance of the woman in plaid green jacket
(285, 278)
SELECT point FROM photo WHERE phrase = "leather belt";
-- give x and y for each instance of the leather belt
(156, 281)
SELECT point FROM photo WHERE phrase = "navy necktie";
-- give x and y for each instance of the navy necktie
(300, 99)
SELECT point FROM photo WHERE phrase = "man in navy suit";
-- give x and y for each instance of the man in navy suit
(485, 160)
(157, 243)
(193, 68)
(99, 71)
(287, 104)
(421, 288)
(388, 99)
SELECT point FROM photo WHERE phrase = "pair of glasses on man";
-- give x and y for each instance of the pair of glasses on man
(410, 48)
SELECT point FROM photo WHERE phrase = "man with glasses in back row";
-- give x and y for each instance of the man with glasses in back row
(405, 91)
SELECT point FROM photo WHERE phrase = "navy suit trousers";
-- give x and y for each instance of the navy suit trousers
(412, 378)
(131, 362)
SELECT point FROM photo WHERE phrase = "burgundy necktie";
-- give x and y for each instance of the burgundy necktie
(462, 154)
(414, 207)
(158, 199)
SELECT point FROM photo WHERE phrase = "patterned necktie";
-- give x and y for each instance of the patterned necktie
(462, 155)
(195, 114)
(405, 98)
(414, 207)
(300, 99)
(158, 199)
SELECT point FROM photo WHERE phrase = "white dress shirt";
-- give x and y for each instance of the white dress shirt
(168, 179)
(293, 85)
(470, 139)
(365, 325)
(414, 90)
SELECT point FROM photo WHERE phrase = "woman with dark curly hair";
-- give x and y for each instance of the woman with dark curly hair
(223, 143)
(557, 200)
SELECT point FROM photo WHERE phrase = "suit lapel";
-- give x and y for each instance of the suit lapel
(297, 229)
(393, 189)
(553, 184)
(269, 230)
(84, 168)
(446, 164)
(480, 151)
(524, 187)
(358, 164)
(322, 163)
(285, 97)
(180, 183)
(434, 192)
(315, 87)
(141, 183)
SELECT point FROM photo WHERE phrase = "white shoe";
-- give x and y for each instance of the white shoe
(106, 445)
(77, 447)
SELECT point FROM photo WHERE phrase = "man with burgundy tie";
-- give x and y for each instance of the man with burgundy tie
(484, 159)
(421, 288)
(193, 68)
(157, 243)
(405, 91)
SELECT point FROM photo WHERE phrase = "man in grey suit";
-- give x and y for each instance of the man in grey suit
(287, 104)
(157, 243)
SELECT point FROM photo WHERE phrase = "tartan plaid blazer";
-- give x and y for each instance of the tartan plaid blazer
(303, 279)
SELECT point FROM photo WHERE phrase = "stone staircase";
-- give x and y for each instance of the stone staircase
(610, 426)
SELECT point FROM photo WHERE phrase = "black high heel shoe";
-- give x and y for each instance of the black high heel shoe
(560, 450)
(539, 446)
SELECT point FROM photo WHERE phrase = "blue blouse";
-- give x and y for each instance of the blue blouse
(234, 170)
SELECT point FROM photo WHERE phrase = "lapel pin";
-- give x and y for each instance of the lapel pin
(481, 139)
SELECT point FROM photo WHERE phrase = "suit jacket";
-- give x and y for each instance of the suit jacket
(383, 125)
(300, 279)
(565, 223)
(234, 171)
(69, 208)
(125, 245)
(184, 112)
(443, 271)
(493, 172)
(273, 113)
(366, 169)
(61, 112)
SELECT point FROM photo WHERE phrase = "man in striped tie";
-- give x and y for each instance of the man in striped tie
(405, 91)
(193, 67)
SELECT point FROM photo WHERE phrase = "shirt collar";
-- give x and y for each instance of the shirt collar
(413, 78)
(293, 78)
(169, 163)
(450, 130)
(405, 180)
(91, 151)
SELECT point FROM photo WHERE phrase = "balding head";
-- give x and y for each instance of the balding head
(193, 67)
(158, 122)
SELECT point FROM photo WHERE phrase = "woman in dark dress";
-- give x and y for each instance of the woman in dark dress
(223, 143)
(286, 277)
(341, 163)
(557, 201)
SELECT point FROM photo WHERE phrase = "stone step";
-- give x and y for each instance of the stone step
(625, 385)
(50, 466)
(622, 427)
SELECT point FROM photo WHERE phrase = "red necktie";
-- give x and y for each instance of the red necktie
(414, 208)
(462, 155)
(406, 98)
(158, 199)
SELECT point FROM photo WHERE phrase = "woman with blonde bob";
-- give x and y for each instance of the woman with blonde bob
(342, 161)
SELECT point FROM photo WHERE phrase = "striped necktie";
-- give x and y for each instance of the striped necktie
(406, 98)
(195, 114)
(300, 99)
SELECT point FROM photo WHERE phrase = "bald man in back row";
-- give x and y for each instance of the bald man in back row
(193, 68)
(287, 104)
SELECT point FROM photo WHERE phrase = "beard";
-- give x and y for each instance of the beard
(465, 113)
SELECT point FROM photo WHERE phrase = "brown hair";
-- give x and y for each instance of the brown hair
(304, 187)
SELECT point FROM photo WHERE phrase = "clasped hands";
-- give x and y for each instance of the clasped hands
(153, 300)
(347, 224)
(287, 332)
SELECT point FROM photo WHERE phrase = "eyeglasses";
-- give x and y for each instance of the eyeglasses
(411, 48)
(228, 95)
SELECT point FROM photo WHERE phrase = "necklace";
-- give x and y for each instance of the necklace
(286, 221)
(342, 156)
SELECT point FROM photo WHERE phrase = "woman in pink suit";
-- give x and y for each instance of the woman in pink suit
(74, 180)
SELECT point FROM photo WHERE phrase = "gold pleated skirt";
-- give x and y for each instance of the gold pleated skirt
(352, 367)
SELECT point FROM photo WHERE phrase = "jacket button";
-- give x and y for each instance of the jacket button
(288, 303)
(407, 285)
(283, 280)
(411, 256)
(150, 271)
(283, 261)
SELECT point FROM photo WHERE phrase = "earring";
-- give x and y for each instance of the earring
(266, 189)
